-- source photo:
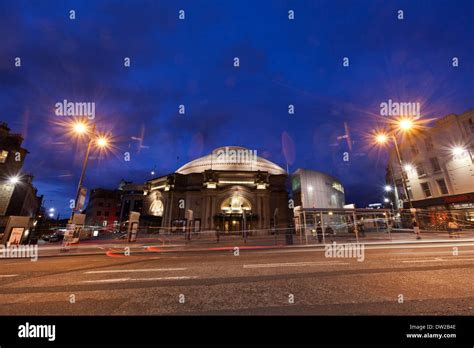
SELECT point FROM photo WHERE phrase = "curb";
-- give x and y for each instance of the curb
(147, 249)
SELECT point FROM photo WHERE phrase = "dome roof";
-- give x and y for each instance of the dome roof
(232, 158)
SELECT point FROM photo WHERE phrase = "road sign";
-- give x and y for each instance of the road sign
(79, 219)
(81, 199)
(16, 225)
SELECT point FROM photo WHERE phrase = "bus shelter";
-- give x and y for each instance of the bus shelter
(325, 225)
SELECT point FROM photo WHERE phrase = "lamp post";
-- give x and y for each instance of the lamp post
(404, 182)
(383, 138)
(404, 125)
(84, 164)
(81, 128)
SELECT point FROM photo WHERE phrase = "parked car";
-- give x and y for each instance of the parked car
(55, 237)
(52, 237)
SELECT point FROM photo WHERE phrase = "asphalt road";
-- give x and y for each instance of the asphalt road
(392, 280)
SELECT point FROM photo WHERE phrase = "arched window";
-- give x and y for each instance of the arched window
(236, 204)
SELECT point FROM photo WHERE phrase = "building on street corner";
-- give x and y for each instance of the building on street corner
(18, 196)
(438, 165)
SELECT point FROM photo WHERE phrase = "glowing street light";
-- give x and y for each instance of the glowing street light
(99, 140)
(405, 124)
(458, 150)
(388, 188)
(381, 138)
(79, 128)
(14, 180)
(51, 210)
(102, 142)
(408, 167)
(386, 200)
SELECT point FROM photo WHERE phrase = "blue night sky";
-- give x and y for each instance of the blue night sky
(190, 62)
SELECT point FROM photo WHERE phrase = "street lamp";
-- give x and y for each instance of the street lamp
(102, 142)
(79, 128)
(388, 188)
(14, 180)
(405, 124)
(383, 138)
(82, 128)
(460, 152)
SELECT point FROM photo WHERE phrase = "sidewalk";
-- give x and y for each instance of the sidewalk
(177, 243)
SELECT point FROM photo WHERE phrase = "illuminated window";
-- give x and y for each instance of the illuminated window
(3, 156)
(236, 204)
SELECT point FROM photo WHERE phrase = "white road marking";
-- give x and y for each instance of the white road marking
(311, 247)
(435, 252)
(8, 275)
(295, 264)
(411, 246)
(136, 270)
(439, 260)
(118, 280)
(445, 257)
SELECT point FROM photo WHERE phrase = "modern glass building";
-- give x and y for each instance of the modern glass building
(313, 189)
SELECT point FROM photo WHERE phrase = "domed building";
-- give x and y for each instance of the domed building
(231, 189)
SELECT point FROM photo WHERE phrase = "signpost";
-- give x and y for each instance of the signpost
(81, 199)
(15, 236)
(15, 229)
(132, 228)
(73, 230)
(189, 223)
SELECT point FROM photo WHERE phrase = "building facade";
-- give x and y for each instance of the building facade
(132, 197)
(24, 200)
(438, 165)
(17, 197)
(231, 189)
(313, 189)
(103, 208)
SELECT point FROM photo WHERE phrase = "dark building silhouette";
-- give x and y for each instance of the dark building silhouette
(17, 193)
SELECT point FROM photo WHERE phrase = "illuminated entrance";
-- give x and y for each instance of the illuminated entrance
(236, 215)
